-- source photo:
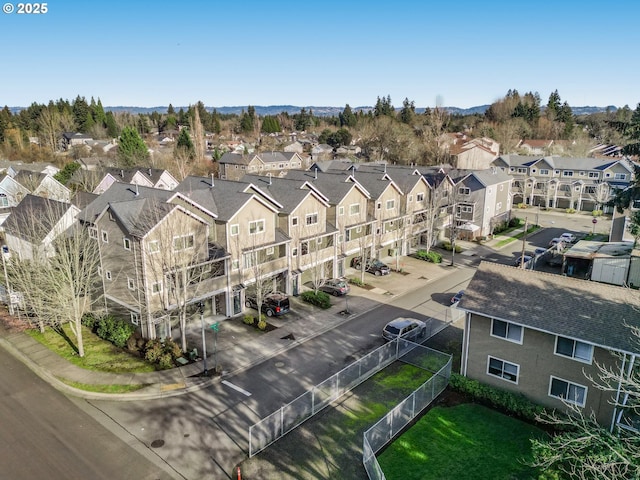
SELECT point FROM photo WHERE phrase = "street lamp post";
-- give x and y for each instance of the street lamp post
(204, 344)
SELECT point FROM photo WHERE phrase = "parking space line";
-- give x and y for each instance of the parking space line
(236, 388)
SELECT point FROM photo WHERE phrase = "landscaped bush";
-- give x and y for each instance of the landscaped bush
(162, 354)
(447, 247)
(522, 205)
(514, 222)
(114, 330)
(248, 319)
(429, 256)
(570, 210)
(511, 403)
(597, 213)
(90, 321)
(356, 281)
(319, 299)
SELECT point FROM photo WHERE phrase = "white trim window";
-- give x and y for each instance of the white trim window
(234, 229)
(410, 199)
(311, 219)
(153, 246)
(341, 210)
(107, 275)
(294, 252)
(391, 204)
(184, 242)
(105, 236)
(294, 221)
(354, 209)
(269, 251)
(544, 171)
(4, 200)
(126, 242)
(521, 170)
(580, 351)
(594, 175)
(568, 391)
(620, 176)
(420, 197)
(156, 288)
(131, 284)
(464, 190)
(235, 264)
(93, 233)
(502, 369)
(256, 226)
(506, 330)
(135, 318)
(567, 173)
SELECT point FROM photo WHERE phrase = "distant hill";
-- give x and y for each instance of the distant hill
(318, 111)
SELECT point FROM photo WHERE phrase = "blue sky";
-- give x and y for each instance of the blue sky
(327, 53)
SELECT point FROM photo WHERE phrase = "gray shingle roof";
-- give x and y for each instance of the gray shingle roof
(334, 186)
(35, 211)
(592, 312)
(286, 191)
(560, 163)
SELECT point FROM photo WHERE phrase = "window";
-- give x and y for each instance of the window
(105, 236)
(522, 170)
(341, 210)
(107, 275)
(183, 242)
(379, 206)
(156, 287)
(501, 369)
(340, 238)
(269, 251)
(420, 197)
(93, 233)
(620, 176)
(594, 175)
(391, 204)
(294, 252)
(347, 235)
(574, 349)
(256, 226)
(4, 201)
(544, 171)
(570, 392)
(499, 206)
(506, 330)
(354, 209)
(234, 229)
(126, 242)
(235, 264)
(582, 174)
(135, 318)
(464, 190)
(153, 246)
(311, 219)
(304, 248)
(294, 221)
(567, 173)
(131, 284)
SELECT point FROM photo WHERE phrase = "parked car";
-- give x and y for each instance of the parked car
(335, 287)
(456, 298)
(558, 242)
(273, 304)
(377, 268)
(568, 237)
(519, 261)
(539, 251)
(409, 328)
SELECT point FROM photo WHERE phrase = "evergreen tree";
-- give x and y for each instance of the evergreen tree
(553, 105)
(111, 125)
(347, 118)
(170, 110)
(82, 114)
(215, 122)
(131, 149)
(407, 112)
(5, 121)
(99, 115)
(270, 125)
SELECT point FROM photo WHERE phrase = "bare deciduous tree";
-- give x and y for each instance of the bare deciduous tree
(58, 280)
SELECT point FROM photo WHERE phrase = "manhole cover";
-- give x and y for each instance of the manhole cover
(157, 443)
(279, 364)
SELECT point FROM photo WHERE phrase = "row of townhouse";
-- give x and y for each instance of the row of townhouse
(554, 339)
(234, 166)
(583, 184)
(211, 240)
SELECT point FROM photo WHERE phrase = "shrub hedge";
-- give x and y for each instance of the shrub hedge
(319, 299)
(110, 328)
(429, 256)
(510, 403)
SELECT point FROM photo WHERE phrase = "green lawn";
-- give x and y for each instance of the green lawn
(100, 355)
(465, 442)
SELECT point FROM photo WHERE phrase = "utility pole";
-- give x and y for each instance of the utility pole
(524, 240)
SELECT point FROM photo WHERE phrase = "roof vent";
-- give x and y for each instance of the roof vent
(212, 183)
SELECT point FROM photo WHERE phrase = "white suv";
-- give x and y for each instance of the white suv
(404, 327)
(568, 237)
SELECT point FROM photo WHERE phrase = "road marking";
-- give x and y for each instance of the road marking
(235, 387)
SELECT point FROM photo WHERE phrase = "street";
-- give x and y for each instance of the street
(45, 435)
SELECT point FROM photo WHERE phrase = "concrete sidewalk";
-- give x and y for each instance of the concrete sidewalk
(238, 346)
